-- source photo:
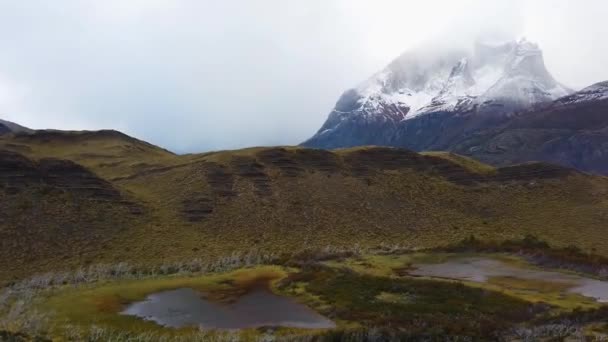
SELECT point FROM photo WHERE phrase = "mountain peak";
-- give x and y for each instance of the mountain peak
(511, 73)
(421, 82)
(493, 80)
(525, 46)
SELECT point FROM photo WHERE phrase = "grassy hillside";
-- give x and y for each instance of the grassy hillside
(466, 162)
(165, 207)
(55, 212)
(110, 153)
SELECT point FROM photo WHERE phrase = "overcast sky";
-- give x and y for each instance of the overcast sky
(206, 74)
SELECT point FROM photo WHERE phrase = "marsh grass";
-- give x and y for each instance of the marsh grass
(516, 253)
(434, 308)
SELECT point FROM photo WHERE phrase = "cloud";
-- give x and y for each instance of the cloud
(200, 75)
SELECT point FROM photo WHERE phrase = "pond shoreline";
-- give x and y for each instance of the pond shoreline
(481, 269)
(258, 307)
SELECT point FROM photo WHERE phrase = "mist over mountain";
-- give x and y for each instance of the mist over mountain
(453, 99)
(493, 80)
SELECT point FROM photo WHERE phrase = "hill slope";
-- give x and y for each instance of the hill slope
(4, 129)
(110, 153)
(55, 212)
(11, 127)
(136, 202)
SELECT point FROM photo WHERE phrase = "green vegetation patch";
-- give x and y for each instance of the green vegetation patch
(419, 306)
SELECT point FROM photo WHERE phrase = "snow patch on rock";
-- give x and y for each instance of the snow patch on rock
(596, 92)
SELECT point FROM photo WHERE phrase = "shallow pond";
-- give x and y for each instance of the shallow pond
(480, 269)
(259, 307)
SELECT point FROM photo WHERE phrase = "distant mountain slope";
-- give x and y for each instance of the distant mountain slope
(483, 87)
(136, 202)
(4, 129)
(572, 131)
(12, 127)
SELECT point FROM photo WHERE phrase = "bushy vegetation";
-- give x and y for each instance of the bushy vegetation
(426, 308)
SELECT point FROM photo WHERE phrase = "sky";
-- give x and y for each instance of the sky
(200, 75)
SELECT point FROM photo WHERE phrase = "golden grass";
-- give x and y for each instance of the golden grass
(466, 162)
(315, 208)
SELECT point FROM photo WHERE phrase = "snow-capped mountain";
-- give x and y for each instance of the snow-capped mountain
(490, 79)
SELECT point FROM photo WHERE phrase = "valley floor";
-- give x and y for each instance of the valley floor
(397, 294)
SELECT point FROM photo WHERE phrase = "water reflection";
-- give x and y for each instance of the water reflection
(259, 307)
(480, 269)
